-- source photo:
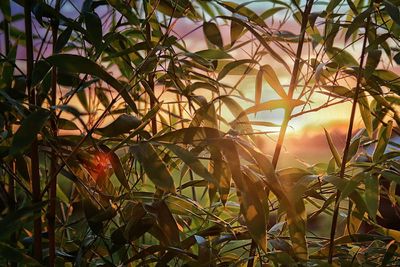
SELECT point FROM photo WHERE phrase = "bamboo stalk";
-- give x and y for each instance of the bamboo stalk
(348, 140)
(35, 177)
(288, 111)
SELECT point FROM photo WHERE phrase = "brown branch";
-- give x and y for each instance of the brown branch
(35, 178)
(53, 165)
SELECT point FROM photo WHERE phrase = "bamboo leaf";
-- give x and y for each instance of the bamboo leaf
(372, 189)
(116, 165)
(333, 149)
(154, 167)
(254, 212)
(30, 127)
(213, 34)
(123, 124)
(190, 159)
(272, 79)
(258, 89)
(383, 139)
(93, 28)
(79, 64)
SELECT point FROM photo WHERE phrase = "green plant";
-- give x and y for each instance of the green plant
(124, 145)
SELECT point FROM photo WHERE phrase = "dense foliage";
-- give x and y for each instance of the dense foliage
(123, 145)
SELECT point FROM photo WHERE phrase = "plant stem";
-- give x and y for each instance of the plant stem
(348, 140)
(293, 82)
(53, 165)
(288, 111)
(35, 177)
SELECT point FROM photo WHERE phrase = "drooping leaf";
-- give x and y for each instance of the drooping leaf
(383, 139)
(333, 149)
(154, 167)
(372, 190)
(30, 127)
(167, 223)
(116, 165)
(253, 210)
(258, 89)
(123, 124)
(342, 57)
(212, 33)
(261, 39)
(63, 39)
(273, 104)
(212, 54)
(393, 11)
(235, 31)
(190, 159)
(16, 255)
(365, 112)
(232, 65)
(272, 79)
(79, 64)
(93, 28)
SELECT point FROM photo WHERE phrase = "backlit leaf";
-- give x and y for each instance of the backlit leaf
(154, 167)
(123, 124)
(213, 34)
(79, 64)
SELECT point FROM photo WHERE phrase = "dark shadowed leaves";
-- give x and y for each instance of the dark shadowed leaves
(79, 64)
(213, 34)
(30, 127)
(123, 124)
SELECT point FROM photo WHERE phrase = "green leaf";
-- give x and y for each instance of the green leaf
(333, 149)
(357, 23)
(244, 11)
(232, 65)
(373, 59)
(190, 159)
(383, 139)
(6, 9)
(167, 223)
(40, 69)
(253, 210)
(213, 54)
(236, 31)
(365, 112)
(154, 167)
(123, 124)
(338, 90)
(213, 34)
(116, 165)
(272, 79)
(372, 195)
(261, 39)
(26, 134)
(16, 255)
(354, 145)
(79, 64)
(342, 57)
(393, 11)
(66, 124)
